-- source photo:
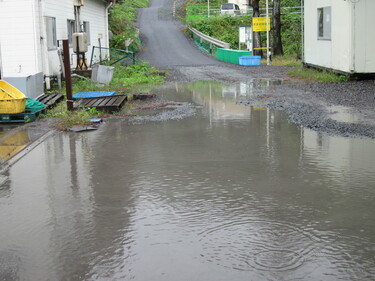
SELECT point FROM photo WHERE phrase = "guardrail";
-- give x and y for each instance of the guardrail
(210, 40)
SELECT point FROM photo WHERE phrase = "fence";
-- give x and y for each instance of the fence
(195, 12)
(111, 56)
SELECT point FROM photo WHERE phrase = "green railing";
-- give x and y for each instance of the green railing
(111, 56)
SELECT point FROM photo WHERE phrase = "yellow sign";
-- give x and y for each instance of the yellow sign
(260, 24)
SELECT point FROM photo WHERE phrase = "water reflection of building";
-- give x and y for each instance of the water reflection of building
(335, 154)
(340, 155)
(219, 100)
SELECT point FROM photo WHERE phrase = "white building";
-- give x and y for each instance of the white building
(30, 36)
(339, 35)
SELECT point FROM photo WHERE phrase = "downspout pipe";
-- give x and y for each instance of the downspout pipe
(353, 26)
(106, 24)
(43, 45)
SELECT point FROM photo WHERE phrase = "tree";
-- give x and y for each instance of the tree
(276, 29)
(256, 35)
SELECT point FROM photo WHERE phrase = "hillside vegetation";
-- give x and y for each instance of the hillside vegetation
(122, 21)
(226, 28)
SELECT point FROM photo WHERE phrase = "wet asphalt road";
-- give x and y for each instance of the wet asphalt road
(164, 45)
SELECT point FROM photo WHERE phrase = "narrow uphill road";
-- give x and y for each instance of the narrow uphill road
(166, 47)
(164, 44)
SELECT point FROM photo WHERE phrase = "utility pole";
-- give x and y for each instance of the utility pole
(268, 34)
(68, 75)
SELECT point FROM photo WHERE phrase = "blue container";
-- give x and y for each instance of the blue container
(249, 60)
(82, 95)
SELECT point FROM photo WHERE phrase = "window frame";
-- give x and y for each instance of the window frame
(86, 29)
(51, 33)
(324, 23)
(71, 28)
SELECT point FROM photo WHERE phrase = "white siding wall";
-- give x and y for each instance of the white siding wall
(365, 36)
(93, 12)
(332, 53)
(19, 35)
(22, 24)
(352, 45)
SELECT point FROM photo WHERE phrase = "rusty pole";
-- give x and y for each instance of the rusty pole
(68, 75)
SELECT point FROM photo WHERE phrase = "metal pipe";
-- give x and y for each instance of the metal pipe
(106, 24)
(302, 30)
(44, 47)
(208, 8)
(268, 35)
(352, 65)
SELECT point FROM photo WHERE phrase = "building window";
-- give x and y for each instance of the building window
(324, 23)
(51, 33)
(86, 28)
(71, 30)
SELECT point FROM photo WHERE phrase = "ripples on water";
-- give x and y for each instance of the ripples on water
(232, 193)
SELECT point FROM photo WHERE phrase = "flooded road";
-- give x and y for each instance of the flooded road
(231, 192)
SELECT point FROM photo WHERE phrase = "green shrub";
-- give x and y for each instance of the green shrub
(122, 24)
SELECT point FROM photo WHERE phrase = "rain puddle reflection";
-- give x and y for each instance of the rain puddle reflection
(12, 143)
(230, 193)
(344, 114)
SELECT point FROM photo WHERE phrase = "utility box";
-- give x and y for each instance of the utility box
(78, 3)
(102, 74)
(80, 42)
(31, 86)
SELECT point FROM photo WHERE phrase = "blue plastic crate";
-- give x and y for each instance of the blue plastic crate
(82, 95)
(249, 60)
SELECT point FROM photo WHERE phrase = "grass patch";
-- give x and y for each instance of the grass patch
(67, 119)
(311, 74)
(285, 61)
(124, 79)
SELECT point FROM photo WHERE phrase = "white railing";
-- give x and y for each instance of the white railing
(214, 41)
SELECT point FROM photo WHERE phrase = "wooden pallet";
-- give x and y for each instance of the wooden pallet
(27, 116)
(106, 103)
(50, 100)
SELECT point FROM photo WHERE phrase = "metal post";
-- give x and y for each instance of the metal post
(268, 34)
(302, 30)
(68, 77)
(208, 8)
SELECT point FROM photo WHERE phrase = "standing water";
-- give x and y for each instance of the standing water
(230, 193)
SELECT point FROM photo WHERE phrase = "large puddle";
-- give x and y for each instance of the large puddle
(229, 193)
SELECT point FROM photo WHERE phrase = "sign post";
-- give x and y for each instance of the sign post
(268, 34)
(263, 24)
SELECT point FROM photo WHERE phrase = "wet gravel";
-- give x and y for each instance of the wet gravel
(344, 109)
